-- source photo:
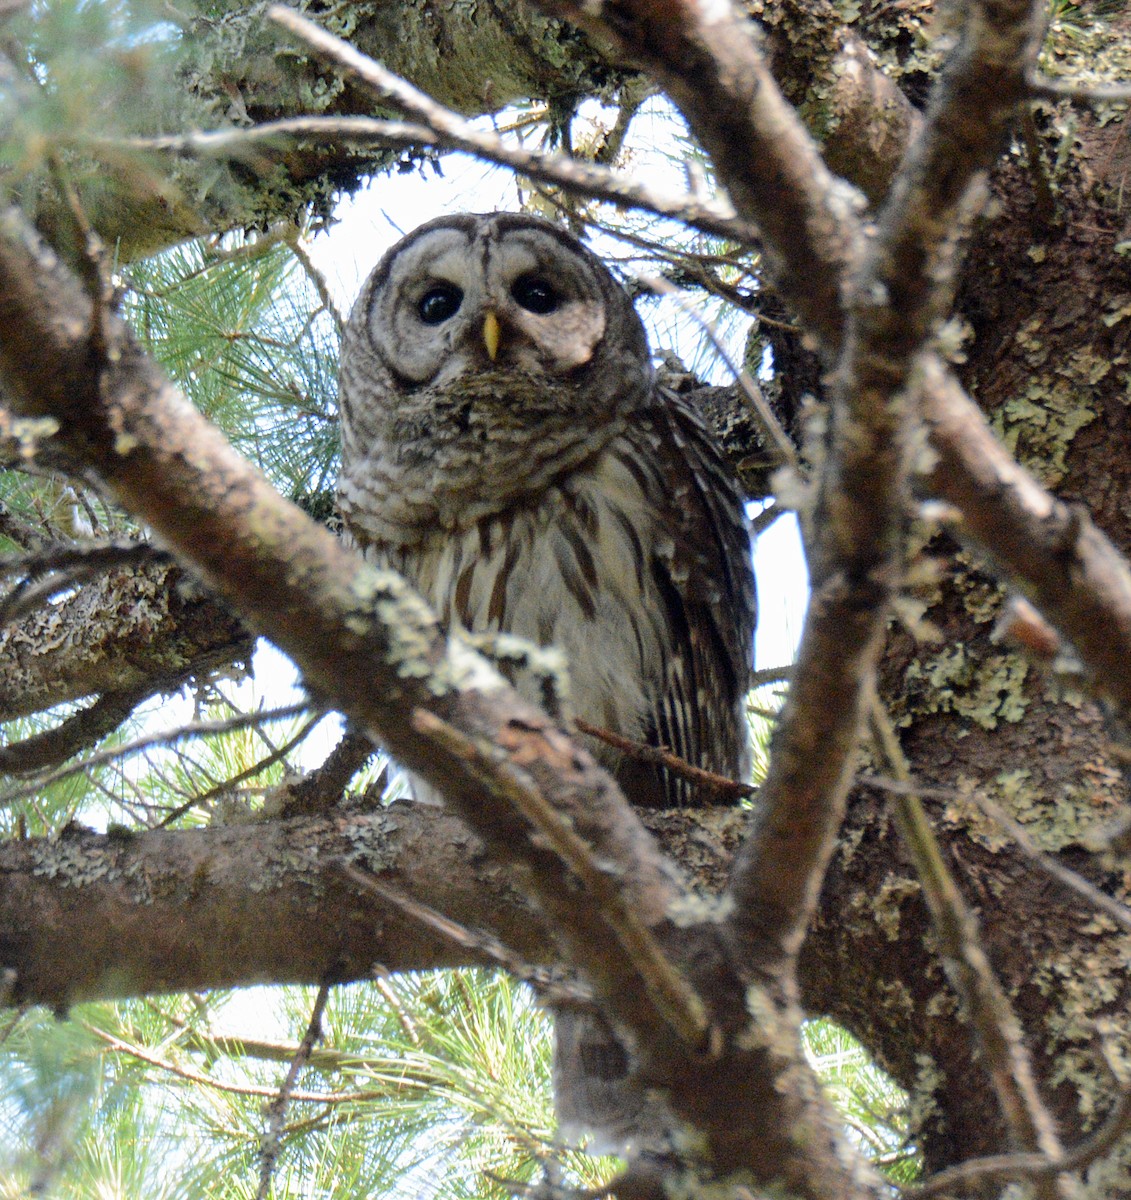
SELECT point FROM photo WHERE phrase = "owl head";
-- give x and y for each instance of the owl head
(485, 353)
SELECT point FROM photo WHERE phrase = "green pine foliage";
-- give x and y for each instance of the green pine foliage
(240, 328)
(435, 1085)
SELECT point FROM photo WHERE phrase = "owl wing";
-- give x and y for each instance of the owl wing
(705, 578)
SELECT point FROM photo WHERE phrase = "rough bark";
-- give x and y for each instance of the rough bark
(121, 633)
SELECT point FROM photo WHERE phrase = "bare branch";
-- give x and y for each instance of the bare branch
(77, 647)
(271, 1141)
(80, 730)
(711, 66)
(168, 737)
(1068, 89)
(449, 129)
(322, 788)
(479, 943)
(229, 785)
(977, 1172)
(773, 434)
(995, 1024)
(726, 791)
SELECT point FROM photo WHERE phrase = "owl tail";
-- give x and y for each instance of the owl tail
(597, 1099)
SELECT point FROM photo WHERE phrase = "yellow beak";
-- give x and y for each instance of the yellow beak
(491, 332)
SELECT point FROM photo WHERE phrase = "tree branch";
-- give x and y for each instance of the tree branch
(73, 735)
(116, 634)
(449, 129)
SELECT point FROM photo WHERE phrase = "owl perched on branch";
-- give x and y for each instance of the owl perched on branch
(506, 447)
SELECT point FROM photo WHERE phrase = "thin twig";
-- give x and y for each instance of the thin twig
(121, 1046)
(728, 790)
(271, 1142)
(714, 217)
(1069, 89)
(316, 278)
(771, 514)
(87, 558)
(998, 1031)
(973, 1175)
(226, 786)
(168, 738)
(48, 572)
(80, 730)
(776, 437)
(770, 675)
(478, 941)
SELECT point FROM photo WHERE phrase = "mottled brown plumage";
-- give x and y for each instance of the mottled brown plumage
(505, 446)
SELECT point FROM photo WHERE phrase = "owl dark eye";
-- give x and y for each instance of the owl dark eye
(439, 303)
(534, 294)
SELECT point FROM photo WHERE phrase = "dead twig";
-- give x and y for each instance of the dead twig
(477, 941)
(1069, 89)
(271, 1142)
(995, 1024)
(727, 790)
(999, 1168)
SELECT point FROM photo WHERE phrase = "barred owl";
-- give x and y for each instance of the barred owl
(506, 448)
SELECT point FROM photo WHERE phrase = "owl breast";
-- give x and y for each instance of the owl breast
(568, 569)
(506, 447)
(444, 458)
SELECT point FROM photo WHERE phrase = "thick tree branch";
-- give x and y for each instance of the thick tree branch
(87, 916)
(1053, 551)
(903, 285)
(706, 57)
(90, 916)
(122, 632)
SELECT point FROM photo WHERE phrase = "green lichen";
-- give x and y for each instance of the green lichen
(75, 862)
(888, 900)
(1053, 815)
(381, 604)
(1089, 51)
(1060, 398)
(689, 910)
(986, 690)
(1086, 985)
(370, 842)
(929, 1081)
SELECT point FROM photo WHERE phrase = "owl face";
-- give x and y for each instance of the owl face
(486, 356)
(465, 295)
